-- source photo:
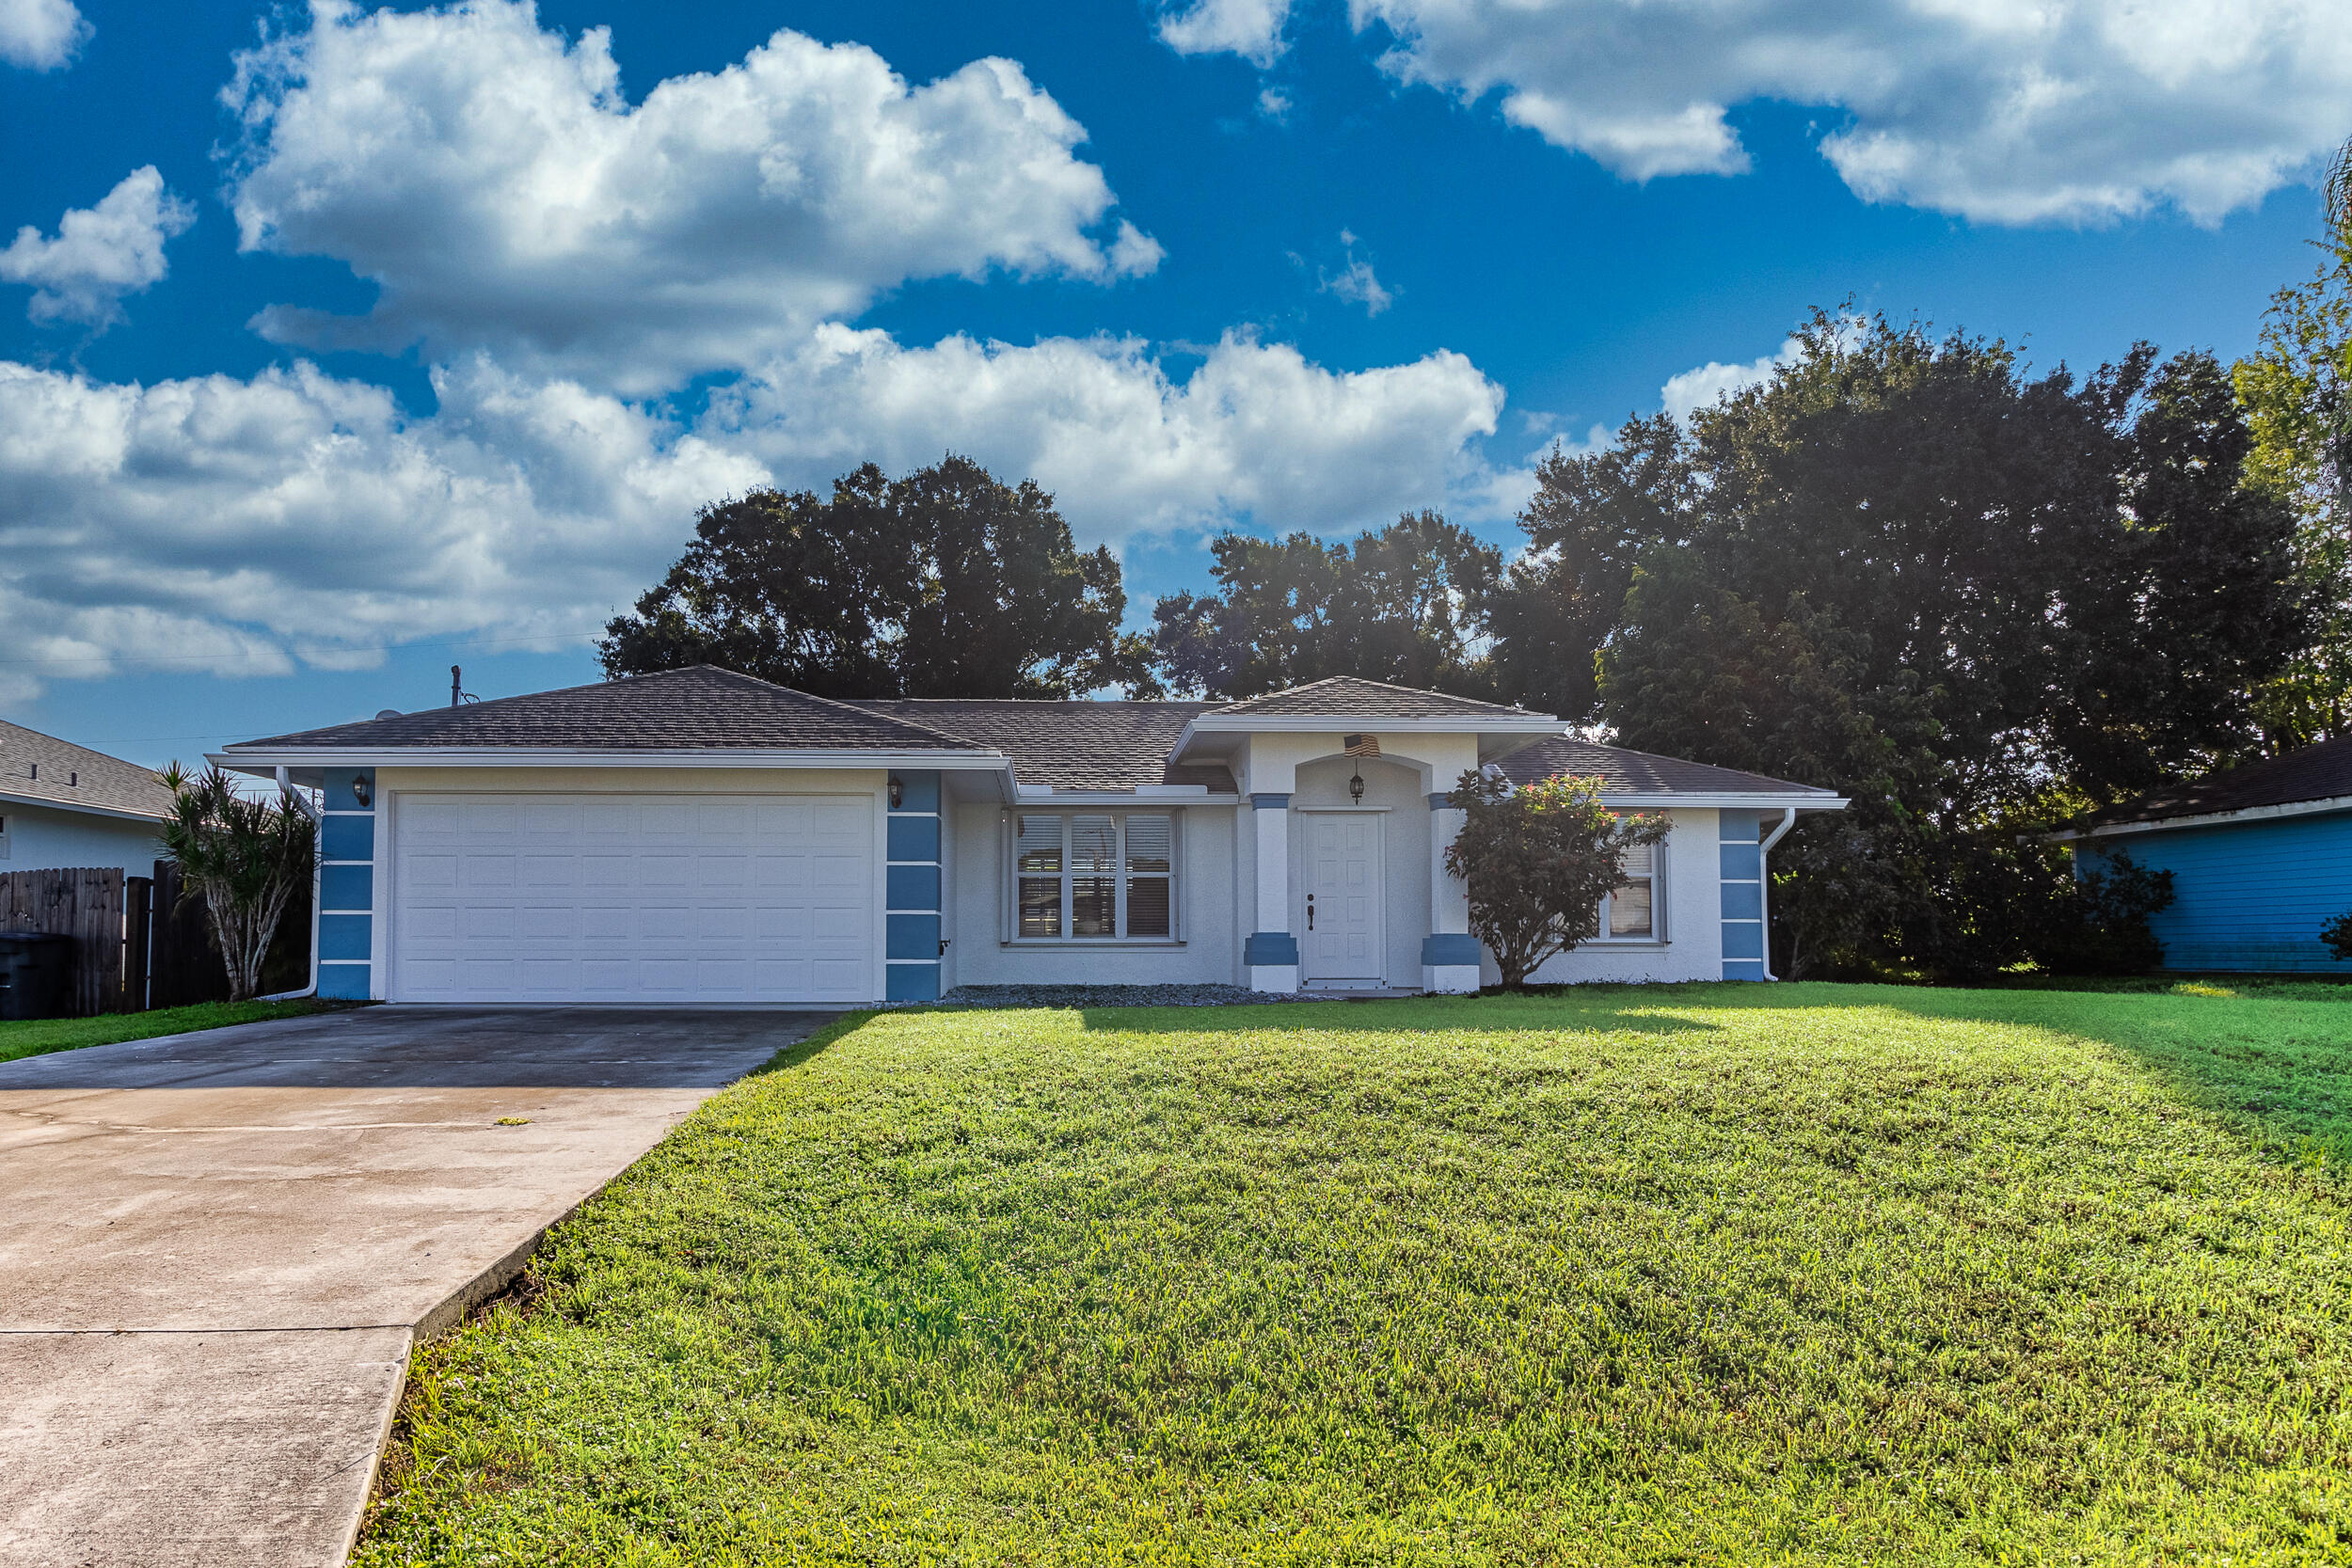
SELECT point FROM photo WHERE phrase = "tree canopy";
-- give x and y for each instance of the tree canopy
(944, 583)
(1406, 604)
(1973, 598)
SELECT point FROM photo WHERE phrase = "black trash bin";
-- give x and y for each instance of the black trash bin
(36, 975)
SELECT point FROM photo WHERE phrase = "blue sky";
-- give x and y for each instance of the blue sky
(429, 329)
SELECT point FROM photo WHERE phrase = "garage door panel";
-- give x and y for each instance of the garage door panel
(662, 898)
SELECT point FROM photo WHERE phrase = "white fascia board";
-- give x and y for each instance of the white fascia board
(1536, 725)
(1196, 795)
(7, 798)
(1721, 801)
(2208, 819)
(556, 756)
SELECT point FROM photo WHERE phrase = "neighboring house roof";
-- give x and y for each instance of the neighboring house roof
(2306, 777)
(1073, 745)
(1346, 697)
(41, 770)
(1624, 772)
(703, 706)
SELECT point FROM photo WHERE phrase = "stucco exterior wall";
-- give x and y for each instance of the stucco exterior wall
(2249, 895)
(1693, 945)
(43, 838)
(982, 954)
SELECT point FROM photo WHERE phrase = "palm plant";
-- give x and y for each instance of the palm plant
(245, 858)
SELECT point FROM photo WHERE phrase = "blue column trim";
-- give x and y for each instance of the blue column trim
(1271, 801)
(1440, 799)
(1267, 949)
(1741, 884)
(1449, 949)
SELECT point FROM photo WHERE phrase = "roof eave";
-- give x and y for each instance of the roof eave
(261, 760)
(1723, 799)
(10, 798)
(2206, 819)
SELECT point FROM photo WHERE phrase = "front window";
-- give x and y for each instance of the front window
(1103, 875)
(1630, 913)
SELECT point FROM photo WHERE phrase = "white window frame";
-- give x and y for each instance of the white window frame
(1009, 859)
(1657, 934)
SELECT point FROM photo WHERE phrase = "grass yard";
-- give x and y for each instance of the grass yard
(38, 1037)
(1675, 1275)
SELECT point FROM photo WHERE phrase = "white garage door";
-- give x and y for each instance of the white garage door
(633, 898)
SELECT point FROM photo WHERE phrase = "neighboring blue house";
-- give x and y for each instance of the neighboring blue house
(2261, 858)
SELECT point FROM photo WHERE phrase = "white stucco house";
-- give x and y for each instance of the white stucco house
(699, 836)
(65, 805)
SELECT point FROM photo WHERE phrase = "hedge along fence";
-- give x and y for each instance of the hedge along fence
(105, 912)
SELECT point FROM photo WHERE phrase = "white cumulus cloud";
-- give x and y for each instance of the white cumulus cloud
(1703, 385)
(493, 178)
(100, 253)
(2003, 111)
(1256, 429)
(41, 35)
(1250, 28)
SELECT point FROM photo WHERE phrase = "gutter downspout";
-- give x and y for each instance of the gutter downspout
(318, 846)
(1764, 882)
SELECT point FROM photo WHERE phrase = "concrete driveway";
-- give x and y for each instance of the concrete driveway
(216, 1250)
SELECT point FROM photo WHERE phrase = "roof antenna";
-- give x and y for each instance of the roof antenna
(457, 693)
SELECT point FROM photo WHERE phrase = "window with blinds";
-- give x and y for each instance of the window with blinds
(1630, 913)
(1103, 875)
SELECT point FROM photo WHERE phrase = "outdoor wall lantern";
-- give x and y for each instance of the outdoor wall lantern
(360, 792)
(897, 792)
(1355, 787)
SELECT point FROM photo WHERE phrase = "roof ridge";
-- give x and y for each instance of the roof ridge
(1366, 680)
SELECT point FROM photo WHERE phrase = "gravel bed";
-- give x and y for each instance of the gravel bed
(1114, 996)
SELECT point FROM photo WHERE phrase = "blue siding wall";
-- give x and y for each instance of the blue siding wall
(346, 886)
(1741, 870)
(2249, 895)
(913, 882)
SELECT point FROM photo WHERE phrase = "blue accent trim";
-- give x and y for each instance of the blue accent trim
(343, 982)
(912, 983)
(1271, 802)
(1450, 948)
(1737, 827)
(913, 887)
(1269, 949)
(1742, 863)
(1744, 969)
(344, 936)
(346, 887)
(921, 792)
(1744, 939)
(336, 791)
(913, 936)
(1440, 799)
(914, 838)
(1743, 900)
(348, 838)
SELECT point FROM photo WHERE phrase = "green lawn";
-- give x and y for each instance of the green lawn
(1682, 1276)
(39, 1036)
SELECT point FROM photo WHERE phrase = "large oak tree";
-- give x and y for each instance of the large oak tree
(944, 583)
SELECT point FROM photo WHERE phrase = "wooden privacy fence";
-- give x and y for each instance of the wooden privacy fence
(105, 911)
(137, 942)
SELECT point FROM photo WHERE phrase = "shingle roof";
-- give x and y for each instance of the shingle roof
(1626, 772)
(38, 767)
(701, 706)
(1348, 697)
(1077, 745)
(2321, 772)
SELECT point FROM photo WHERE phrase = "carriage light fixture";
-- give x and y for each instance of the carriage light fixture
(1355, 787)
(897, 792)
(360, 792)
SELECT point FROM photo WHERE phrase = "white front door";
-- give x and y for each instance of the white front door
(633, 898)
(1344, 891)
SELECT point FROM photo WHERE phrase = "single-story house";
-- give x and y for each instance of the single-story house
(66, 805)
(2261, 858)
(699, 836)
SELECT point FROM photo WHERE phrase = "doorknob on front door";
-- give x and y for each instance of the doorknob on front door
(1311, 911)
